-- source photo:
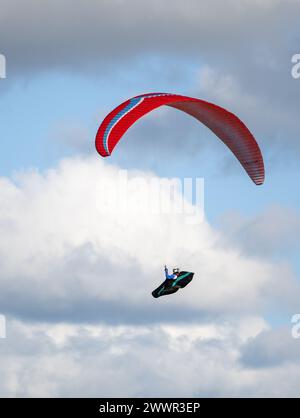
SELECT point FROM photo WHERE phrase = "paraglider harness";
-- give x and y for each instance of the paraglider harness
(171, 285)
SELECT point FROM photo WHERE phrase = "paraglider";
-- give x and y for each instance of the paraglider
(226, 126)
(177, 280)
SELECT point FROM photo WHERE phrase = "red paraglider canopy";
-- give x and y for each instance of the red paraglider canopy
(228, 127)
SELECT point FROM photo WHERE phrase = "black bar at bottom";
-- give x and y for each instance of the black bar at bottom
(90, 407)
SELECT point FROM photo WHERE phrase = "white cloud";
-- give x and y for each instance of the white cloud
(61, 248)
(76, 282)
(73, 360)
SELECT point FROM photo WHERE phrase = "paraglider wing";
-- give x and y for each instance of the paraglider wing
(228, 127)
(171, 286)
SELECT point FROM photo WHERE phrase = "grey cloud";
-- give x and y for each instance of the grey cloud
(252, 44)
(78, 294)
(274, 232)
(60, 34)
(271, 348)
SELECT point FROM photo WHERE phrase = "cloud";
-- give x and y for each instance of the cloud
(271, 348)
(68, 253)
(64, 360)
(275, 231)
(72, 135)
(273, 123)
(75, 285)
(131, 361)
(60, 35)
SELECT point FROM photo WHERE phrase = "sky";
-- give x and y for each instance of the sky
(76, 273)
